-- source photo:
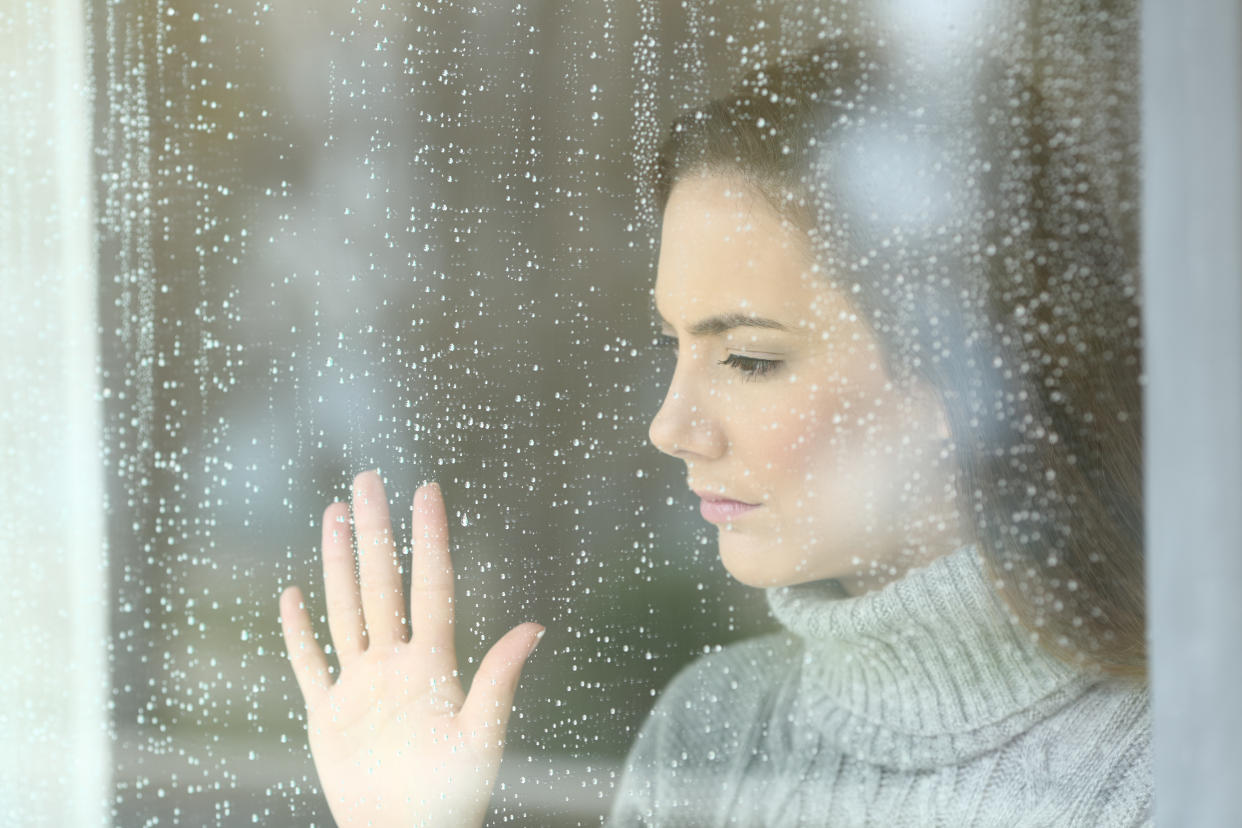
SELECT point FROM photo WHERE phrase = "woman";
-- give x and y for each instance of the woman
(911, 407)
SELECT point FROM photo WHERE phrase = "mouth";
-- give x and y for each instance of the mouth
(717, 509)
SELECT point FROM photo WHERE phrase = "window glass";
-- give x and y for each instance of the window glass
(424, 238)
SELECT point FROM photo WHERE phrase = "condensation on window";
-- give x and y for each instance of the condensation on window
(422, 238)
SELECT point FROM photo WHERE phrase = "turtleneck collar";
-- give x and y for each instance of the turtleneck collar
(930, 669)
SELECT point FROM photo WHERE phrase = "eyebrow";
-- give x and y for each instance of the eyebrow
(716, 325)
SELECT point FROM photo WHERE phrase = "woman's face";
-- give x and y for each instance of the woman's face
(780, 399)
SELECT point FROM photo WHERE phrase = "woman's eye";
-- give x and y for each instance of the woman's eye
(750, 367)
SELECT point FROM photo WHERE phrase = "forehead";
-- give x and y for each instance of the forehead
(724, 248)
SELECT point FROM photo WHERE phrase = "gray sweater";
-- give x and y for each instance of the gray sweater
(922, 703)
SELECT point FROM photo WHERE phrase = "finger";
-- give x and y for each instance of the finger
(340, 584)
(486, 710)
(310, 665)
(383, 603)
(431, 585)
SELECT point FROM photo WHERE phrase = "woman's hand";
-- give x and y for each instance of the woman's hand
(395, 739)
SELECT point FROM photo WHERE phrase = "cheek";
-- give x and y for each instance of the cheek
(836, 460)
(812, 436)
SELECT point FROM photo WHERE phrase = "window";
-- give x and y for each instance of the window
(253, 249)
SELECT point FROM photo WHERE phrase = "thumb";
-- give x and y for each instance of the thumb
(490, 701)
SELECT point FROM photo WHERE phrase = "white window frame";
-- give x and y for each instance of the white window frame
(1192, 283)
(56, 765)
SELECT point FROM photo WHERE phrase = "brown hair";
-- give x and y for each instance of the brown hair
(1000, 282)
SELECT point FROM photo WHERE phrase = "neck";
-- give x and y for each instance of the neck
(937, 534)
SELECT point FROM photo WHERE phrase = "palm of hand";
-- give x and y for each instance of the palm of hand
(381, 728)
(395, 739)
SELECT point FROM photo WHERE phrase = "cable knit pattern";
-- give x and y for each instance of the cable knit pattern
(921, 703)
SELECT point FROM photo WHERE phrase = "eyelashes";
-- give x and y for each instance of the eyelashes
(749, 367)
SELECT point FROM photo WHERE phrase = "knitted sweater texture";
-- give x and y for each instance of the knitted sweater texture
(923, 703)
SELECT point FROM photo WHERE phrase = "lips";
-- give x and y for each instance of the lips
(713, 496)
(717, 509)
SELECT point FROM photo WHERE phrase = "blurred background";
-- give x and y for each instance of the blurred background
(411, 236)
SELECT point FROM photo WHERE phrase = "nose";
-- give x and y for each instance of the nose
(684, 426)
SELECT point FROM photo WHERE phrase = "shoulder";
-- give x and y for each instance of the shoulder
(701, 719)
(1096, 757)
(734, 670)
(1112, 725)
(1124, 729)
(725, 687)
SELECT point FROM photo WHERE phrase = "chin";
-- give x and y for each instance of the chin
(762, 565)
